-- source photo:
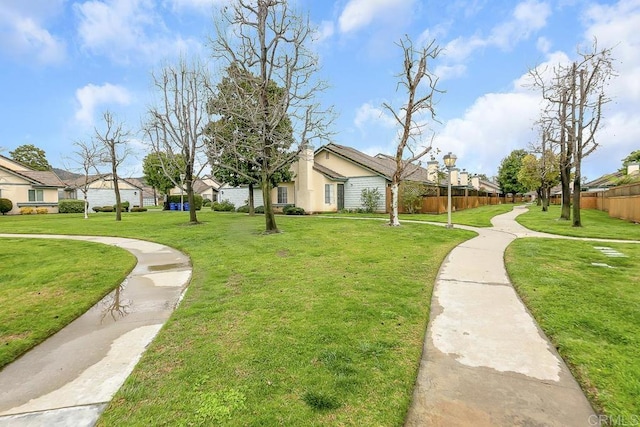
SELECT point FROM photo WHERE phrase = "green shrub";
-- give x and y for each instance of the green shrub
(5, 205)
(292, 210)
(97, 208)
(223, 206)
(71, 206)
(138, 209)
(370, 198)
(107, 209)
(243, 209)
(197, 200)
(206, 202)
(124, 206)
(259, 210)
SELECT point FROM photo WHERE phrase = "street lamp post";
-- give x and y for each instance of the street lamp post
(182, 176)
(450, 163)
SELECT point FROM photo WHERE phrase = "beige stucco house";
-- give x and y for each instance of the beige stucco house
(332, 178)
(26, 187)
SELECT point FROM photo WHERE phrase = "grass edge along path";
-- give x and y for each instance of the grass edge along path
(590, 313)
(46, 284)
(595, 224)
(475, 217)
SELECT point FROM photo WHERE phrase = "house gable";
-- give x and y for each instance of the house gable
(349, 162)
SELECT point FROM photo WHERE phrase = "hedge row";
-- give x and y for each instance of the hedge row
(71, 206)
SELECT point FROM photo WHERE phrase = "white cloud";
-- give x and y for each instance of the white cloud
(326, 29)
(616, 26)
(202, 5)
(368, 115)
(127, 30)
(24, 34)
(493, 126)
(91, 96)
(543, 44)
(527, 17)
(360, 13)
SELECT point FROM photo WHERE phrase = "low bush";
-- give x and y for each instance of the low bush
(259, 210)
(97, 208)
(138, 209)
(107, 209)
(26, 211)
(124, 206)
(5, 206)
(206, 202)
(223, 206)
(293, 210)
(243, 209)
(71, 206)
(42, 211)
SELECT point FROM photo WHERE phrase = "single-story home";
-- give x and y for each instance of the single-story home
(332, 178)
(100, 191)
(610, 180)
(28, 188)
(206, 186)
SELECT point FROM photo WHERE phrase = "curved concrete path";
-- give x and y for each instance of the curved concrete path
(485, 361)
(69, 378)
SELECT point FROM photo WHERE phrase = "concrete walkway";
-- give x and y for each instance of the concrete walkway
(485, 361)
(69, 379)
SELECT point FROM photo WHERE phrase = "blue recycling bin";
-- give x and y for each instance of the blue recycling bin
(185, 207)
(173, 206)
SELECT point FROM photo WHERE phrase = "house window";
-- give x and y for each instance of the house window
(282, 195)
(328, 189)
(36, 196)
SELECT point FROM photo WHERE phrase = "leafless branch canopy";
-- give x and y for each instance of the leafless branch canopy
(266, 106)
(420, 85)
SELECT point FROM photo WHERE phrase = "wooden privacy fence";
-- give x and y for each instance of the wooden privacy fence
(621, 202)
(434, 200)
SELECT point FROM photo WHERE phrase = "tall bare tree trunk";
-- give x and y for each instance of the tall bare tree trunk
(393, 215)
(251, 201)
(269, 216)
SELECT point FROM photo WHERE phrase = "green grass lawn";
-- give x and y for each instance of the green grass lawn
(592, 314)
(322, 324)
(595, 223)
(477, 217)
(45, 284)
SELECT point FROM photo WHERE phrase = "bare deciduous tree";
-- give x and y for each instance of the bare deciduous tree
(421, 86)
(273, 91)
(113, 140)
(176, 125)
(87, 157)
(575, 97)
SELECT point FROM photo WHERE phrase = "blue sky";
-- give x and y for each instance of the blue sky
(64, 62)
